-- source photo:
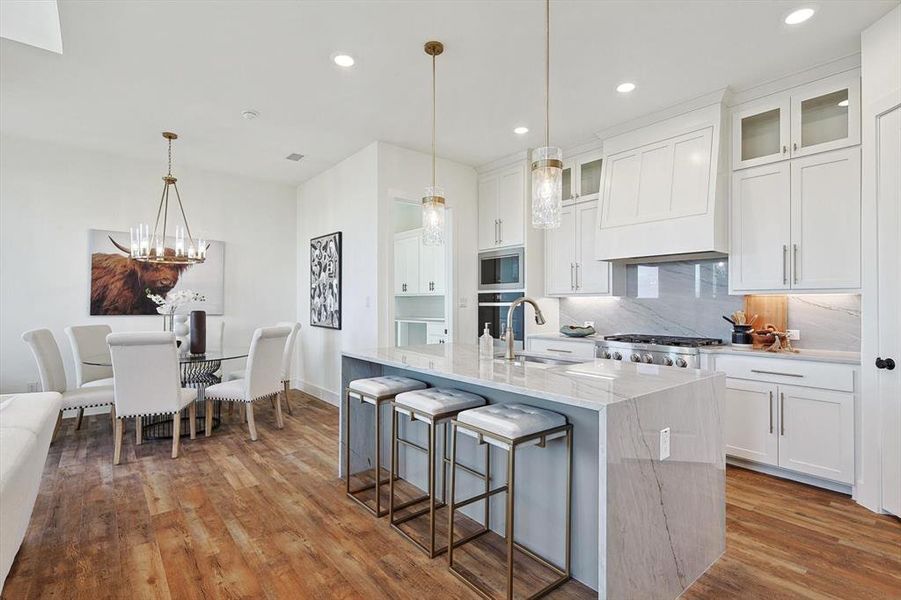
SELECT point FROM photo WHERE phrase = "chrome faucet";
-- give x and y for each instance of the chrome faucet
(508, 334)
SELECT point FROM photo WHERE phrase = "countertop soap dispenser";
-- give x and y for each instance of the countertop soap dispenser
(486, 343)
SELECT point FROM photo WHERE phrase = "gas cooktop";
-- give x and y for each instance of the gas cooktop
(663, 340)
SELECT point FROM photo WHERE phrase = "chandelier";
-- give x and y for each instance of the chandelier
(547, 162)
(147, 246)
(433, 201)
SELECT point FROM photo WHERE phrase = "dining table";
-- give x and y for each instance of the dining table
(198, 371)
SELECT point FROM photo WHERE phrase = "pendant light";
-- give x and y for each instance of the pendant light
(151, 247)
(547, 161)
(433, 201)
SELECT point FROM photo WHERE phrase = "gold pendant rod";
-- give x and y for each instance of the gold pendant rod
(547, 72)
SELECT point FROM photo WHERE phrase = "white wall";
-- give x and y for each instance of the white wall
(50, 196)
(356, 197)
(345, 199)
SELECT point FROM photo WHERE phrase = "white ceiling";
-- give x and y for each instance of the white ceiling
(133, 69)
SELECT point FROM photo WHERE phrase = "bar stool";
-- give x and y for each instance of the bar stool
(434, 407)
(511, 426)
(377, 391)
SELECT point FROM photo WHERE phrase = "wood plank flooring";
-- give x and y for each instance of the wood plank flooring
(231, 518)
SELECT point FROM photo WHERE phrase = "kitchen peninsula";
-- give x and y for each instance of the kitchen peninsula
(645, 525)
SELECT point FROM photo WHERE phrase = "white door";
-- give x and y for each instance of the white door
(560, 255)
(888, 195)
(761, 229)
(488, 192)
(749, 426)
(825, 220)
(825, 115)
(592, 276)
(511, 206)
(816, 432)
(760, 132)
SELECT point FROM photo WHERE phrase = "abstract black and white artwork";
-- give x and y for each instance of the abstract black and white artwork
(325, 281)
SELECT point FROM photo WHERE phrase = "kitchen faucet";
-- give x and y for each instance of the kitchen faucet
(508, 334)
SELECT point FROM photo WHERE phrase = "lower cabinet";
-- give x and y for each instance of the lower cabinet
(804, 429)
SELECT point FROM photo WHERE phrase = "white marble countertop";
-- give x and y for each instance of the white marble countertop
(829, 356)
(593, 384)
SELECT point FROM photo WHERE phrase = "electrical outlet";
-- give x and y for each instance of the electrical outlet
(664, 443)
(464, 302)
(589, 324)
(793, 334)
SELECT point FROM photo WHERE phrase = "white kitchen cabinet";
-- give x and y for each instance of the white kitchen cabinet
(406, 263)
(580, 349)
(582, 177)
(570, 268)
(502, 199)
(817, 117)
(761, 228)
(436, 332)
(816, 432)
(796, 224)
(825, 220)
(418, 269)
(749, 427)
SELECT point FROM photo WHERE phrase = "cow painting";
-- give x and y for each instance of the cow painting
(120, 284)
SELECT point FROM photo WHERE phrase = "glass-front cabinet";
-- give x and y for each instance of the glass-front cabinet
(582, 177)
(821, 116)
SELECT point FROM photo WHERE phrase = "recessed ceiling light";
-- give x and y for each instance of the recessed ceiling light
(799, 16)
(843, 103)
(625, 87)
(344, 60)
(521, 130)
(249, 115)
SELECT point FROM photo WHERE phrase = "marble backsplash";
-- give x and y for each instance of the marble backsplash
(689, 298)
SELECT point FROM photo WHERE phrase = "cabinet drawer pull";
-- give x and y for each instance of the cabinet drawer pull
(559, 350)
(795, 146)
(578, 276)
(784, 150)
(781, 413)
(795, 262)
(572, 276)
(771, 412)
(784, 259)
(775, 373)
(500, 230)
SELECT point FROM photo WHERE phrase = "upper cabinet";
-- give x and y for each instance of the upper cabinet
(418, 269)
(661, 189)
(821, 116)
(502, 200)
(569, 265)
(582, 177)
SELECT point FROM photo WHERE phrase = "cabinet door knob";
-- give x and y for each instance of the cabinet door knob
(795, 146)
(784, 149)
(885, 363)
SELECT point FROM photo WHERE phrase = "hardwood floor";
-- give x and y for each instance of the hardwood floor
(231, 518)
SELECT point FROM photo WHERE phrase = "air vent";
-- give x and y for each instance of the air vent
(294, 156)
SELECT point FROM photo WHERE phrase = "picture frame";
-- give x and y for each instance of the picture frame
(325, 281)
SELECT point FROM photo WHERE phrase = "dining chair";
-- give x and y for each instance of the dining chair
(53, 378)
(89, 341)
(147, 382)
(262, 378)
(287, 360)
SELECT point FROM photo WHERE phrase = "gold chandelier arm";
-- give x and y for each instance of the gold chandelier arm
(159, 210)
(183, 217)
(165, 218)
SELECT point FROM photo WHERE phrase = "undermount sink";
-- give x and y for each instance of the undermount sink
(544, 360)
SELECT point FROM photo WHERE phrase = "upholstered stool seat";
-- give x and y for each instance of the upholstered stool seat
(435, 401)
(377, 391)
(375, 388)
(434, 407)
(511, 427)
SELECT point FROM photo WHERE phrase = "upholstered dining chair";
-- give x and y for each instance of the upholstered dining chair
(287, 360)
(53, 377)
(89, 341)
(147, 382)
(262, 378)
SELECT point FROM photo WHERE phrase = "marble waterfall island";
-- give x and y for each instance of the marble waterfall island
(643, 527)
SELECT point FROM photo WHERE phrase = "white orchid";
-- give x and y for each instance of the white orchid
(174, 300)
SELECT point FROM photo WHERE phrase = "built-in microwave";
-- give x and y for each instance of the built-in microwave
(501, 270)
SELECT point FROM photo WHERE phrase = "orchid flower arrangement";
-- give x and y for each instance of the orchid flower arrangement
(174, 300)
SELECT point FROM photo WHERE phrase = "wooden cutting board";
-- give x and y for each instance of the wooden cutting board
(771, 310)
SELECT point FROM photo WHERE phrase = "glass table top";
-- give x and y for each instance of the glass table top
(103, 360)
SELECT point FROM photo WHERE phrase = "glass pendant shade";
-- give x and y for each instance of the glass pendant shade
(433, 216)
(547, 187)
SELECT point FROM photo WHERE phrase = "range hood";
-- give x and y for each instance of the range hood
(663, 190)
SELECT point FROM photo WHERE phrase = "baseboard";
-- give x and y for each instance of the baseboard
(314, 390)
(834, 486)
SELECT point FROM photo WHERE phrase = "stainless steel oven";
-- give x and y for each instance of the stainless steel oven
(501, 270)
(493, 309)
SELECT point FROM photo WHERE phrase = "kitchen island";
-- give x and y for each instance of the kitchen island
(643, 527)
